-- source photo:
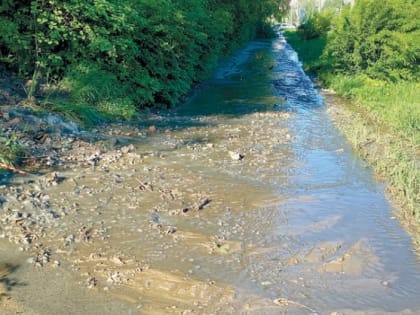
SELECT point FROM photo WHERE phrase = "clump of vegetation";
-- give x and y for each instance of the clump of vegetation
(119, 56)
(397, 105)
(380, 38)
(317, 25)
(11, 151)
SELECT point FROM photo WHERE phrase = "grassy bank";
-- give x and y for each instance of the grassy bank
(381, 120)
(392, 157)
(396, 105)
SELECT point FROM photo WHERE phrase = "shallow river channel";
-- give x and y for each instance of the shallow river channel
(243, 200)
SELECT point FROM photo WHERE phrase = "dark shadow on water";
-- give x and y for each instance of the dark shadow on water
(264, 76)
(2, 201)
(5, 176)
(269, 78)
(7, 280)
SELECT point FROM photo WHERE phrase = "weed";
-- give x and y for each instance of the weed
(11, 151)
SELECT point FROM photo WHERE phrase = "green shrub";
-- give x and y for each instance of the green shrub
(316, 25)
(378, 37)
(95, 95)
(309, 51)
(11, 151)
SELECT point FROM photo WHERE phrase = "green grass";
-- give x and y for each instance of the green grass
(90, 115)
(396, 105)
(10, 150)
(90, 96)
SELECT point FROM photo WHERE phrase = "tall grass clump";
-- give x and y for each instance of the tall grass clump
(11, 151)
(396, 105)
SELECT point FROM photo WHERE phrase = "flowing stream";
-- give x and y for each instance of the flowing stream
(243, 200)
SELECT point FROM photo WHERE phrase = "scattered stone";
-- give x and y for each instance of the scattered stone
(203, 203)
(41, 258)
(152, 129)
(154, 217)
(117, 260)
(94, 158)
(85, 233)
(236, 156)
(170, 230)
(127, 149)
(69, 239)
(115, 278)
(31, 260)
(51, 179)
(91, 282)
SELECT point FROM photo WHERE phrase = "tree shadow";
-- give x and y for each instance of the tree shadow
(265, 76)
(4, 178)
(261, 77)
(7, 281)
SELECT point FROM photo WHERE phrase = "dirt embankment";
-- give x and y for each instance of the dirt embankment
(41, 138)
(46, 140)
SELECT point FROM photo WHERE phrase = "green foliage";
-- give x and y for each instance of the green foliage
(125, 53)
(316, 25)
(396, 104)
(372, 55)
(10, 150)
(378, 37)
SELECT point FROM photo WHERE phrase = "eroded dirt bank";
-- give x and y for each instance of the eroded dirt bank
(245, 200)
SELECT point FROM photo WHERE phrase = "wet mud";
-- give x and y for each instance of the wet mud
(244, 200)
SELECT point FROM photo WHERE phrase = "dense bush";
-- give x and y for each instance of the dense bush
(143, 52)
(380, 38)
(316, 25)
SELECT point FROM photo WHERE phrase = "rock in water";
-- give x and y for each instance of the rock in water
(236, 156)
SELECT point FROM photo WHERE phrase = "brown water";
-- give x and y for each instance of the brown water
(181, 225)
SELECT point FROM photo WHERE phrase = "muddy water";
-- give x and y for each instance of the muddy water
(244, 200)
